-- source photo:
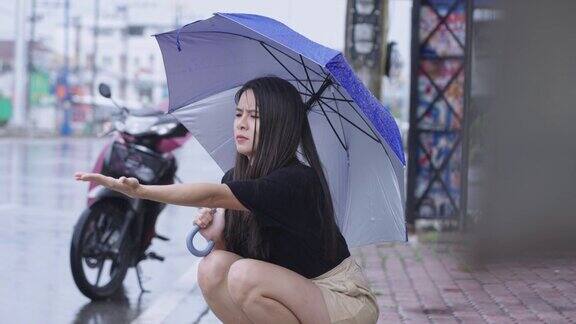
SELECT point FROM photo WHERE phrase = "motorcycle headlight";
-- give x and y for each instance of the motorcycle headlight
(136, 125)
(163, 129)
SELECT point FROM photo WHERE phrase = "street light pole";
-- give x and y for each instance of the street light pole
(30, 60)
(66, 32)
(124, 56)
(20, 62)
(77, 46)
(94, 62)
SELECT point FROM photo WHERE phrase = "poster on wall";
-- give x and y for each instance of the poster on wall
(437, 110)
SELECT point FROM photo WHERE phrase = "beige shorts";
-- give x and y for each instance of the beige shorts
(347, 294)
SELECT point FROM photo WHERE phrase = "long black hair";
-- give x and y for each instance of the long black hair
(283, 128)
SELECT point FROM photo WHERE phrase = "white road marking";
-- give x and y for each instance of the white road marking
(169, 300)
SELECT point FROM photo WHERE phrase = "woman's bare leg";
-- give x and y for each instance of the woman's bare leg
(212, 279)
(268, 310)
(268, 293)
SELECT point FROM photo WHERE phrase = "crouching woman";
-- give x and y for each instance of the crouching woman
(279, 256)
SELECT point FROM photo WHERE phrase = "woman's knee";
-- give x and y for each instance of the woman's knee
(242, 281)
(212, 270)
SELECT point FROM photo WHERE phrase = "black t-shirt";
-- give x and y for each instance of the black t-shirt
(284, 204)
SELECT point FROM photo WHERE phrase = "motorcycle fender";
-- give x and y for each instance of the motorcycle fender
(100, 192)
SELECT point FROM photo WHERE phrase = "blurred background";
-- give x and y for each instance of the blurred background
(55, 53)
(480, 89)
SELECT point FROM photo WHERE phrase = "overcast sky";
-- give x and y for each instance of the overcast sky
(320, 20)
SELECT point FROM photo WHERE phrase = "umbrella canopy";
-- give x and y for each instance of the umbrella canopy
(357, 139)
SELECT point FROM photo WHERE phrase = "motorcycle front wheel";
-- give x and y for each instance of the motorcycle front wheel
(99, 257)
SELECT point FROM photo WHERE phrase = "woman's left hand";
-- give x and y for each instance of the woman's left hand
(128, 186)
(211, 221)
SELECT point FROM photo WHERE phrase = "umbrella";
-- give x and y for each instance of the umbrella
(357, 138)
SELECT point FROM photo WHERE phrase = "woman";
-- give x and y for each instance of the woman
(279, 256)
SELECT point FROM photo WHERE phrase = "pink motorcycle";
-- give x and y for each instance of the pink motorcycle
(115, 231)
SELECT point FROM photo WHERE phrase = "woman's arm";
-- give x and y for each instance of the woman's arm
(208, 195)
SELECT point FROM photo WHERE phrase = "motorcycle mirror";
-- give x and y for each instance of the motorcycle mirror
(104, 90)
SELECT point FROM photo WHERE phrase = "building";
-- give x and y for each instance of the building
(129, 60)
(44, 61)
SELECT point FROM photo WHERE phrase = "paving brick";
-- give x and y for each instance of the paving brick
(434, 283)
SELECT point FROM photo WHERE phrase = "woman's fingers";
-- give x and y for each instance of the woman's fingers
(94, 177)
(79, 176)
(204, 217)
(132, 182)
(201, 223)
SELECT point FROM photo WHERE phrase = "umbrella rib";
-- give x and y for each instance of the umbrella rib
(301, 79)
(333, 129)
(284, 66)
(295, 60)
(340, 117)
(322, 87)
(308, 76)
(326, 98)
(351, 123)
(335, 99)
(290, 57)
(357, 113)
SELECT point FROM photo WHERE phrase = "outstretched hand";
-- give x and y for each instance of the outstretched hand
(128, 186)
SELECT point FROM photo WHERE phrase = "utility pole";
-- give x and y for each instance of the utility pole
(95, 31)
(124, 58)
(77, 47)
(365, 44)
(20, 62)
(66, 36)
(30, 53)
(65, 127)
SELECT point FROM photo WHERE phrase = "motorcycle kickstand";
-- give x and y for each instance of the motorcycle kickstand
(139, 276)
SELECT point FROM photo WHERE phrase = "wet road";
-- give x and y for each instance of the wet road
(39, 205)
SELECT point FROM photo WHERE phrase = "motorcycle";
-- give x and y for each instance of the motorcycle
(115, 231)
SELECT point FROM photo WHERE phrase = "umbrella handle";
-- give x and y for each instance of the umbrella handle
(190, 243)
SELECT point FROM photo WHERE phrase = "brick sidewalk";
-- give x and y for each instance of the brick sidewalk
(432, 283)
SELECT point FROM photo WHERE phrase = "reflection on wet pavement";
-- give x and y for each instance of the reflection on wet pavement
(40, 203)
